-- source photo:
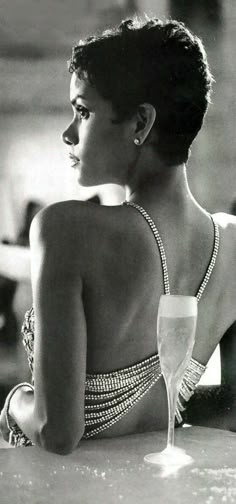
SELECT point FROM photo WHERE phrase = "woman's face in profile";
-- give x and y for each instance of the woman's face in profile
(100, 150)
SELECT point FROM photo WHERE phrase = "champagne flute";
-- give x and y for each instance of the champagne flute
(176, 327)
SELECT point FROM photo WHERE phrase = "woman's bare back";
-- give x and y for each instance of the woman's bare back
(120, 266)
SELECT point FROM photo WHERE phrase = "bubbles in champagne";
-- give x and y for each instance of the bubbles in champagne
(175, 338)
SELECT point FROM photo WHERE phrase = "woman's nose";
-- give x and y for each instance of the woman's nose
(70, 136)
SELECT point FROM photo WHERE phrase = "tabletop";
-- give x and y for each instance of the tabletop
(112, 471)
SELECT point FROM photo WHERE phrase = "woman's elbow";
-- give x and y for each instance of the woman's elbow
(62, 443)
(58, 447)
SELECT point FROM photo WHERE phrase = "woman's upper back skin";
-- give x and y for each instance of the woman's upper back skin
(114, 251)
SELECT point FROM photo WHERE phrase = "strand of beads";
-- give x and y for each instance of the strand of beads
(163, 255)
(159, 243)
(191, 378)
(212, 261)
(124, 387)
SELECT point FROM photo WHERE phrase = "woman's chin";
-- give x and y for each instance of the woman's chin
(85, 181)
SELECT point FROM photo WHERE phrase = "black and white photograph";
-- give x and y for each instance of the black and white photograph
(117, 252)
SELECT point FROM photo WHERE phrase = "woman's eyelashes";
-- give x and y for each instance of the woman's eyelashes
(83, 112)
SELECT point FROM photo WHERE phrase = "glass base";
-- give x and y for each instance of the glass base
(171, 456)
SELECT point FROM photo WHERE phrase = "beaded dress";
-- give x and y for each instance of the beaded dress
(110, 396)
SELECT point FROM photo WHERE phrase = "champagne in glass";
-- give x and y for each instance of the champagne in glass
(176, 327)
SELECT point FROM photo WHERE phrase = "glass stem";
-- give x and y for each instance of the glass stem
(172, 396)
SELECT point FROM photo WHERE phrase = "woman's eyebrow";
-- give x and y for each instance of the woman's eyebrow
(73, 101)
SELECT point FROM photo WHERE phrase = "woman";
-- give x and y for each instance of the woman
(139, 94)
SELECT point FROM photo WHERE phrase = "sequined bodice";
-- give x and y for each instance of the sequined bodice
(109, 396)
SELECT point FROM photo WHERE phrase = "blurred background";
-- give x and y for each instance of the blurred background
(35, 44)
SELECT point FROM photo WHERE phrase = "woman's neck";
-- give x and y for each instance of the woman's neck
(167, 192)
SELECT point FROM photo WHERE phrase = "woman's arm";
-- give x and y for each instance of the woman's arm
(215, 405)
(53, 417)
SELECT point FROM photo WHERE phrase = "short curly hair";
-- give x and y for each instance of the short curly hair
(154, 61)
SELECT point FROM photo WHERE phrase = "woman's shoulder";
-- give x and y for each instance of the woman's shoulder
(74, 222)
(227, 233)
(64, 215)
(225, 220)
(75, 235)
(227, 225)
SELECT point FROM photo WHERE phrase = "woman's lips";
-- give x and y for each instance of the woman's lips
(74, 160)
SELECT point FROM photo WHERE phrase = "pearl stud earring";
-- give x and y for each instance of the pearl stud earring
(137, 141)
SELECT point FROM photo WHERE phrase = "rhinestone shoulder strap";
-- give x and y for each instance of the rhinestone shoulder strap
(163, 254)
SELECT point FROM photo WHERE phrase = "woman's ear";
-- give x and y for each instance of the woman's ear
(145, 118)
